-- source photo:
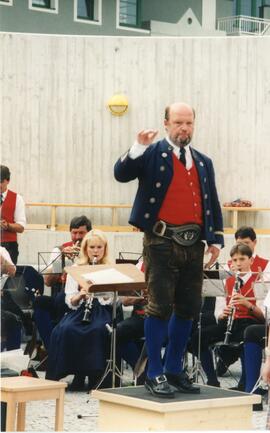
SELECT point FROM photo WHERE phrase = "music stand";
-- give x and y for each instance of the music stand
(116, 278)
(53, 262)
(212, 287)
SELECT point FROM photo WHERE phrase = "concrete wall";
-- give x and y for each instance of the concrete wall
(60, 140)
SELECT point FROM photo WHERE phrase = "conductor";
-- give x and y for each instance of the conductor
(177, 207)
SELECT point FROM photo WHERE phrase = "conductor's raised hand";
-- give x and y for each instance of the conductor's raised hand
(147, 136)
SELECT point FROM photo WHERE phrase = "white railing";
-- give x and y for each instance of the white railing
(241, 24)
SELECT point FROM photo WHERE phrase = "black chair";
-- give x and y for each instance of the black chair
(23, 287)
(19, 293)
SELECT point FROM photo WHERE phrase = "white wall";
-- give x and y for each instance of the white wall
(60, 141)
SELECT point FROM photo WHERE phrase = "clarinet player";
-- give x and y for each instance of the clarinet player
(240, 310)
(79, 343)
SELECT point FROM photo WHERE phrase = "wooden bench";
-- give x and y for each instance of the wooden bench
(16, 391)
(236, 211)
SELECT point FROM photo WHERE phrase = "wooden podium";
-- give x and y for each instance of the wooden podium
(135, 409)
(109, 278)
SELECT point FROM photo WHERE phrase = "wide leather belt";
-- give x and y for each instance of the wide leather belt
(186, 234)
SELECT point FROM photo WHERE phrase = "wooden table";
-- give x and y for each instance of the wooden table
(16, 391)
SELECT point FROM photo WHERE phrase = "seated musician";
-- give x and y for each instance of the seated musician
(240, 310)
(76, 347)
(244, 235)
(11, 320)
(48, 310)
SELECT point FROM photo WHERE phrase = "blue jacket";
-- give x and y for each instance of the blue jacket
(154, 170)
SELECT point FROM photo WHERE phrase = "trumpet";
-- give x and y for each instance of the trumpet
(89, 302)
(228, 333)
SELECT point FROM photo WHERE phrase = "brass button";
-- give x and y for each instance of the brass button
(162, 168)
(147, 215)
(152, 200)
(158, 185)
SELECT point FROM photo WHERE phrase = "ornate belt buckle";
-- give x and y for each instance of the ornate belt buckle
(159, 228)
(187, 236)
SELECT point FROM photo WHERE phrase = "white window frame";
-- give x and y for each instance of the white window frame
(97, 22)
(130, 29)
(40, 9)
(8, 3)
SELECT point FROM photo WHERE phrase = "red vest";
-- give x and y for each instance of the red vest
(67, 244)
(182, 203)
(7, 213)
(241, 312)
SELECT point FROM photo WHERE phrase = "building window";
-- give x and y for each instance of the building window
(6, 2)
(129, 13)
(44, 5)
(87, 11)
(250, 8)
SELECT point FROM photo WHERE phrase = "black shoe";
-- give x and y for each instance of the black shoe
(77, 384)
(239, 387)
(213, 383)
(221, 368)
(182, 383)
(159, 387)
(257, 407)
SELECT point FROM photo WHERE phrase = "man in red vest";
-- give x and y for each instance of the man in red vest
(13, 218)
(240, 311)
(227, 356)
(48, 310)
(177, 207)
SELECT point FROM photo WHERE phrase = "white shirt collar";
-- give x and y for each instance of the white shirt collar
(176, 151)
(5, 193)
(246, 277)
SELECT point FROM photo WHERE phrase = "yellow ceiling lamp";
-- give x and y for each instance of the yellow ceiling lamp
(118, 105)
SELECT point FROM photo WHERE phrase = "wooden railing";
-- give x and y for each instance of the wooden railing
(53, 225)
(113, 226)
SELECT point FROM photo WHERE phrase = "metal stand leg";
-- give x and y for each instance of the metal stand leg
(197, 369)
(111, 366)
(111, 362)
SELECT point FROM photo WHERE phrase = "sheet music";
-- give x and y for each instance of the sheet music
(107, 276)
(261, 289)
(213, 288)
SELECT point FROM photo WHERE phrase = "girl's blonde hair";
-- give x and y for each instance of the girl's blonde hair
(83, 258)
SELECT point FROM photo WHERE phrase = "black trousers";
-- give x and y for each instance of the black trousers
(256, 334)
(215, 333)
(174, 275)
(12, 248)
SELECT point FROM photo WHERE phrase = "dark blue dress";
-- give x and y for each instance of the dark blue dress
(78, 348)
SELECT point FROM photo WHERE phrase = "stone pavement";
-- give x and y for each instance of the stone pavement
(40, 415)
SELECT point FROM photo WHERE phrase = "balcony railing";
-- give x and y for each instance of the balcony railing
(243, 25)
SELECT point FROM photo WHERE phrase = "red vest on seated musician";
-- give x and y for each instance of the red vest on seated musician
(7, 213)
(241, 312)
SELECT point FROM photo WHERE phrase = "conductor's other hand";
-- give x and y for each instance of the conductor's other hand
(214, 252)
(147, 136)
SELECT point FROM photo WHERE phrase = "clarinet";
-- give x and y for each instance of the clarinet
(230, 321)
(88, 303)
